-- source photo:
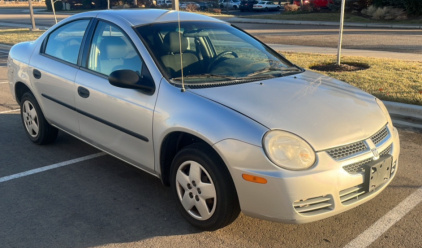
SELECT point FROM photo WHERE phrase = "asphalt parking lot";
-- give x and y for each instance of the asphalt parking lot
(84, 201)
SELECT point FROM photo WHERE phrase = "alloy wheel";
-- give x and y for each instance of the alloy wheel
(30, 118)
(196, 190)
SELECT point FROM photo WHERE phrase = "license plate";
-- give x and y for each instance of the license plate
(377, 172)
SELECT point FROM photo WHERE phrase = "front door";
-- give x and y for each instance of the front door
(117, 120)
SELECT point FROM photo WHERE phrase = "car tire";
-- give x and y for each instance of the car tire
(217, 205)
(36, 126)
(235, 7)
(266, 10)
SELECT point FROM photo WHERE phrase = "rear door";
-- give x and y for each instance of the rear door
(53, 72)
(117, 120)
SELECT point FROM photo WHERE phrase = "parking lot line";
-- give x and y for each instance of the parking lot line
(9, 111)
(382, 225)
(4, 82)
(50, 167)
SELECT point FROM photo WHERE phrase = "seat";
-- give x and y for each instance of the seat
(172, 61)
(113, 51)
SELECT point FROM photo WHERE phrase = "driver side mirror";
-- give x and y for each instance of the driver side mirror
(131, 80)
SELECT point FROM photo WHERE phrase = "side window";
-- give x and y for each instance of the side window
(64, 42)
(111, 50)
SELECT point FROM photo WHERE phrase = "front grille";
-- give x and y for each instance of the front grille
(359, 166)
(347, 150)
(314, 206)
(386, 150)
(351, 195)
(380, 135)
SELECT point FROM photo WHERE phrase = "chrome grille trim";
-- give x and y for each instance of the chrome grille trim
(359, 166)
(314, 206)
(347, 150)
(379, 136)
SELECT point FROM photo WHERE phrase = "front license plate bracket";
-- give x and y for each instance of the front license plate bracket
(377, 172)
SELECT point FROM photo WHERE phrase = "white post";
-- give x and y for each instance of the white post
(108, 4)
(54, 10)
(175, 5)
(340, 40)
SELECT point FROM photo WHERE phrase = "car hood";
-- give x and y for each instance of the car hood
(323, 111)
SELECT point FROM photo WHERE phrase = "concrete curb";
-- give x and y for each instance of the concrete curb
(405, 115)
(4, 46)
(346, 24)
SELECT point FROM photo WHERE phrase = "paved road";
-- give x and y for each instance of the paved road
(105, 202)
(393, 40)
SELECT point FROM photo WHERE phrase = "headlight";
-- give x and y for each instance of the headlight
(385, 111)
(288, 150)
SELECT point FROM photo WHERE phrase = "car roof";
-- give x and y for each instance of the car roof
(146, 16)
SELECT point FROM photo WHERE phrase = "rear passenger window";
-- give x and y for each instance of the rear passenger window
(64, 42)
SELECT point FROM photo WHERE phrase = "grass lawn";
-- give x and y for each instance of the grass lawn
(13, 36)
(330, 17)
(387, 79)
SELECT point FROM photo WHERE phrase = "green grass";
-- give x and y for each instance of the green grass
(387, 79)
(13, 36)
(330, 17)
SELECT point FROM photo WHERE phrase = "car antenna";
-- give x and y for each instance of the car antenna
(180, 51)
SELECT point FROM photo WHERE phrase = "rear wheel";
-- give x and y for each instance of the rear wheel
(37, 128)
(203, 188)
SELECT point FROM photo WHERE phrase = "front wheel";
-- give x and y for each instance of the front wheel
(203, 188)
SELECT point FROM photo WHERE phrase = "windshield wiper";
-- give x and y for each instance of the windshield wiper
(207, 75)
(282, 70)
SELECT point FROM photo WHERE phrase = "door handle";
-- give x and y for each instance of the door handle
(36, 73)
(83, 92)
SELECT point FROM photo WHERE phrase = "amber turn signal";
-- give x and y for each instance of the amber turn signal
(254, 179)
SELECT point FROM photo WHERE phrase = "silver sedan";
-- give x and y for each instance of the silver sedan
(229, 124)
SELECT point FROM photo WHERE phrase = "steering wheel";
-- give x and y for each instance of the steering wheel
(216, 58)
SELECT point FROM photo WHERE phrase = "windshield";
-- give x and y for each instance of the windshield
(211, 53)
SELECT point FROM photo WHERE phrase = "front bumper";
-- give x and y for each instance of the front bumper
(324, 190)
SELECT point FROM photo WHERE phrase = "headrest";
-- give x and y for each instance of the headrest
(113, 47)
(171, 42)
